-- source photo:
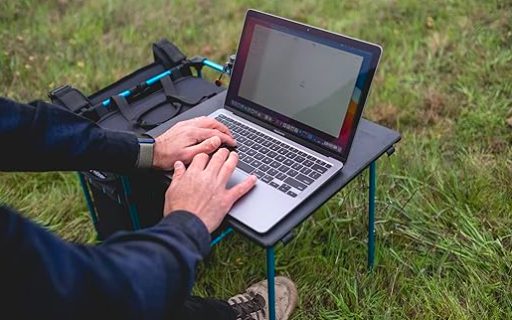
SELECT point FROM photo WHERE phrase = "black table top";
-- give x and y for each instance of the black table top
(370, 143)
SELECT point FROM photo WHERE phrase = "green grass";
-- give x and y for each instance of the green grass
(444, 210)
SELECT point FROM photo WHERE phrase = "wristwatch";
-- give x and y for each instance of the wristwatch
(146, 149)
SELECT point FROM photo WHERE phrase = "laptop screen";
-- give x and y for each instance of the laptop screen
(305, 81)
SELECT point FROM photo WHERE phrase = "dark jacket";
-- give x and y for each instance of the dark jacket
(133, 275)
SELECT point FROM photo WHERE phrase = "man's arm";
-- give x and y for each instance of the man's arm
(42, 137)
(133, 275)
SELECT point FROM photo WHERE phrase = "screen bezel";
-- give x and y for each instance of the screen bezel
(232, 97)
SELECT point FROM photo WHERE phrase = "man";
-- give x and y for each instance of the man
(132, 275)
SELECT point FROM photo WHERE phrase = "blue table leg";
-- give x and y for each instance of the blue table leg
(132, 208)
(221, 236)
(271, 271)
(88, 199)
(371, 216)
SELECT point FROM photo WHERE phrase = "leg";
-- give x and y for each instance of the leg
(371, 216)
(271, 265)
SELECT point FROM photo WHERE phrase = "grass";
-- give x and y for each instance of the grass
(444, 207)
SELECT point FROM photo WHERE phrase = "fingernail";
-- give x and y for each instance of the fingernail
(178, 164)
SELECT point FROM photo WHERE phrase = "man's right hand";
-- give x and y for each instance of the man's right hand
(201, 188)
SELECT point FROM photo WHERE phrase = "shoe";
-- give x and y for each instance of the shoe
(253, 303)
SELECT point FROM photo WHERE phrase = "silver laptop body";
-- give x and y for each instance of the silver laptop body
(294, 90)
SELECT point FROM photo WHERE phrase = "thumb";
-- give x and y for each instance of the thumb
(179, 170)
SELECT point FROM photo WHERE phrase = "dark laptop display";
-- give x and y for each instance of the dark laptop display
(302, 80)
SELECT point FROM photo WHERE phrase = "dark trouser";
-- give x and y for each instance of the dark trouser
(211, 309)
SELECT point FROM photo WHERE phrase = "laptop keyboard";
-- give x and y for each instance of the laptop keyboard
(274, 162)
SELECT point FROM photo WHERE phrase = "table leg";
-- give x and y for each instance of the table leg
(271, 265)
(371, 215)
(132, 208)
(221, 236)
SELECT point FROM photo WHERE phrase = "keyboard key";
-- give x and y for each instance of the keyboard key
(291, 193)
(264, 168)
(308, 163)
(267, 179)
(299, 159)
(310, 157)
(297, 166)
(242, 148)
(272, 154)
(305, 170)
(266, 160)
(283, 168)
(266, 143)
(315, 175)
(245, 167)
(281, 176)
(275, 147)
(275, 164)
(282, 151)
(291, 155)
(328, 166)
(302, 178)
(302, 153)
(296, 184)
(292, 173)
(251, 152)
(259, 156)
(264, 150)
(259, 174)
(273, 184)
(255, 163)
(280, 158)
(319, 168)
(284, 187)
(288, 162)
(249, 143)
(257, 146)
(259, 139)
(272, 172)
(248, 160)
(252, 136)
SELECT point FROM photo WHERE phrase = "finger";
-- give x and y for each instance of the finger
(199, 162)
(207, 146)
(211, 123)
(217, 161)
(179, 171)
(242, 188)
(203, 134)
(228, 168)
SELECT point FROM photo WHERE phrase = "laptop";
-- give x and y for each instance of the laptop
(293, 104)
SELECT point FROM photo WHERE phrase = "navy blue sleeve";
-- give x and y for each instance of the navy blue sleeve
(43, 137)
(134, 275)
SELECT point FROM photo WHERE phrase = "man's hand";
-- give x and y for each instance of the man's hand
(188, 138)
(201, 189)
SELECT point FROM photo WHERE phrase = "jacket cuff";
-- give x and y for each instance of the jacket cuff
(124, 147)
(193, 226)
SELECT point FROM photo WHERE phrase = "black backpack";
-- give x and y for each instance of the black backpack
(137, 103)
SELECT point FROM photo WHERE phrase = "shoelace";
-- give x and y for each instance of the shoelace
(248, 303)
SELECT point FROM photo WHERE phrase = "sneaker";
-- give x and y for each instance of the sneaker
(253, 303)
